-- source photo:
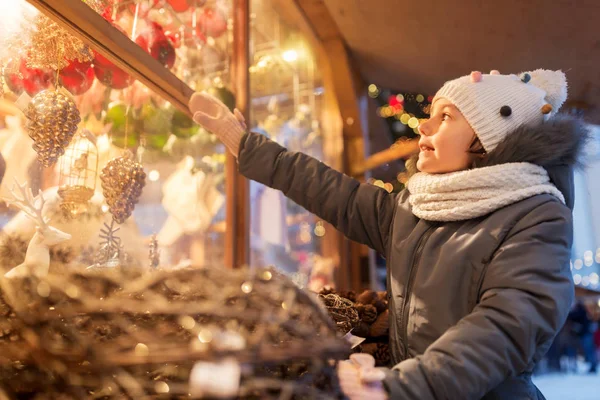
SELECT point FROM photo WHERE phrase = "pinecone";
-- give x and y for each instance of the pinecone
(361, 330)
(52, 120)
(350, 295)
(327, 290)
(367, 297)
(382, 355)
(367, 313)
(368, 348)
(380, 305)
(381, 325)
(122, 182)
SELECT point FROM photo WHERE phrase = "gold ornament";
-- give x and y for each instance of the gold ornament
(122, 182)
(52, 119)
(78, 173)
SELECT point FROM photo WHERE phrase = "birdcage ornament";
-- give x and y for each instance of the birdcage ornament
(78, 174)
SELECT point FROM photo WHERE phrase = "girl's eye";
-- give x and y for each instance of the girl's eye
(445, 116)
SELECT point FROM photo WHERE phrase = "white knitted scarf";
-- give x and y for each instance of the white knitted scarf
(463, 195)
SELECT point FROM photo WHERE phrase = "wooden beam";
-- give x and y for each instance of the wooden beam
(83, 22)
(400, 150)
(237, 236)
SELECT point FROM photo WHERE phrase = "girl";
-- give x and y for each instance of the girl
(477, 247)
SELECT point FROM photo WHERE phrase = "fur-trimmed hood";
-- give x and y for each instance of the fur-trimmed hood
(557, 145)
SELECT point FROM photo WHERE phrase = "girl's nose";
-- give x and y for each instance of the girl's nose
(425, 128)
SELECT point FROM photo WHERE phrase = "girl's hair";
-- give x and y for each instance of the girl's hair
(476, 147)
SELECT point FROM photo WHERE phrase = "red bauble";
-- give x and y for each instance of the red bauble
(155, 42)
(145, 7)
(109, 74)
(179, 5)
(77, 77)
(174, 38)
(211, 22)
(19, 77)
(12, 78)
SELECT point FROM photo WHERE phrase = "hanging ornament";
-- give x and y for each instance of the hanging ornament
(211, 22)
(78, 172)
(179, 6)
(19, 77)
(122, 131)
(52, 119)
(110, 250)
(47, 40)
(109, 74)
(157, 124)
(174, 38)
(154, 41)
(77, 77)
(182, 126)
(122, 182)
(143, 8)
(223, 94)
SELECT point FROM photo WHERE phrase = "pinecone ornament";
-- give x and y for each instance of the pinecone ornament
(52, 119)
(381, 325)
(122, 182)
(367, 313)
(367, 297)
(382, 355)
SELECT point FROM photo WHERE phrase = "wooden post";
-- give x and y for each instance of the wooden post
(346, 85)
(237, 235)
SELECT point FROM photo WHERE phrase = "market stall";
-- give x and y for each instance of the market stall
(135, 259)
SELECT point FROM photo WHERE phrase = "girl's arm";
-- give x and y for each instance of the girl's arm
(362, 212)
(524, 301)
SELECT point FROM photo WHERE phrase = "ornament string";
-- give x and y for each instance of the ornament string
(59, 54)
(135, 20)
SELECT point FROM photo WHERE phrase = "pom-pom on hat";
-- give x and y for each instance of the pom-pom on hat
(495, 105)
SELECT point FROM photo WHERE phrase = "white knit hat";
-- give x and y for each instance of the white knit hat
(495, 105)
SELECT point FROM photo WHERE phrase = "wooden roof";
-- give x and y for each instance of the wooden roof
(416, 45)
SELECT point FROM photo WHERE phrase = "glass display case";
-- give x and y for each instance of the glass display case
(94, 114)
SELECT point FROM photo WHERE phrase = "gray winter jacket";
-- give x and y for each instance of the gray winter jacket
(473, 304)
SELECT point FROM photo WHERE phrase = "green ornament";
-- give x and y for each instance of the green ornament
(182, 125)
(155, 120)
(157, 141)
(116, 114)
(118, 139)
(223, 94)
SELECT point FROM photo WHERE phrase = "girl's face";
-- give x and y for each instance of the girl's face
(445, 139)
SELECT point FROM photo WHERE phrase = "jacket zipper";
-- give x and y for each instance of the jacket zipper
(409, 287)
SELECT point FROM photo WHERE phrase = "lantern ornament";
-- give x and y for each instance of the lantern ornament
(78, 173)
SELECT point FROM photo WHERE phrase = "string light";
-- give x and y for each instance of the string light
(413, 123)
(373, 91)
(290, 56)
(153, 175)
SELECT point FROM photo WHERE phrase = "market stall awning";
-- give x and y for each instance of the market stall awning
(413, 45)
